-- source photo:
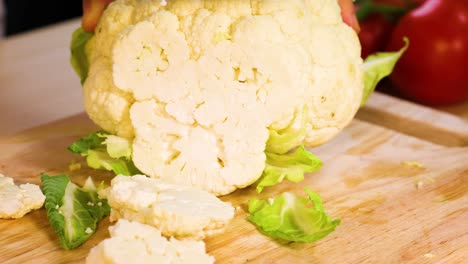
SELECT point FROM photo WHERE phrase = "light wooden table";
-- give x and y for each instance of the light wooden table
(37, 83)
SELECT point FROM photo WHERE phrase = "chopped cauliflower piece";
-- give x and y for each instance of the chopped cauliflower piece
(133, 242)
(176, 210)
(16, 201)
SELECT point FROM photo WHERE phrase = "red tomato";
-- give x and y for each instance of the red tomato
(377, 27)
(434, 70)
(374, 35)
(400, 3)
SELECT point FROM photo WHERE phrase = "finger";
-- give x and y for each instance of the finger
(348, 14)
(92, 11)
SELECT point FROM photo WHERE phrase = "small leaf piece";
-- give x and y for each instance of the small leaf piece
(289, 166)
(292, 218)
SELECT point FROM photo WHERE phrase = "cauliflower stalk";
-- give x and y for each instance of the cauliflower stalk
(205, 90)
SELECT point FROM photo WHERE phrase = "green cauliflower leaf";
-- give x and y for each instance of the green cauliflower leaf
(378, 66)
(289, 166)
(107, 152)
(282, 141)
(79, 59)
(292, 218)
(73, 212)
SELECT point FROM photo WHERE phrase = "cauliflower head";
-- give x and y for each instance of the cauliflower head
(204, 87)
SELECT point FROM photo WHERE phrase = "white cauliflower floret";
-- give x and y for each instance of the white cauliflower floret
(16, 201)
(176, 210)
(133, 242)
(219, 158)
(199, 85)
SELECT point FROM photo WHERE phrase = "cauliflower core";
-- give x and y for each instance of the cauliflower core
(133, 242)
(198, 85)
(176, 210)
(16, 201)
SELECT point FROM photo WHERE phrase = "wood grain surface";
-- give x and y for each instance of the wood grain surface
(401, 197)
(417, 120)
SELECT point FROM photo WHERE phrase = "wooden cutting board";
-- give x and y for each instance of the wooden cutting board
(397, 177)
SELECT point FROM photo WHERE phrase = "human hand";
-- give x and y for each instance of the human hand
(348, 14)
(92, 11)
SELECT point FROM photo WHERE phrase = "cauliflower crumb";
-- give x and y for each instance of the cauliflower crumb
(176, 210)
(99, 203)
(133, 242)
(90, 204)
(74, 166)
(88, 231)
(413, 164)
(16, 201)
(421, 182)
